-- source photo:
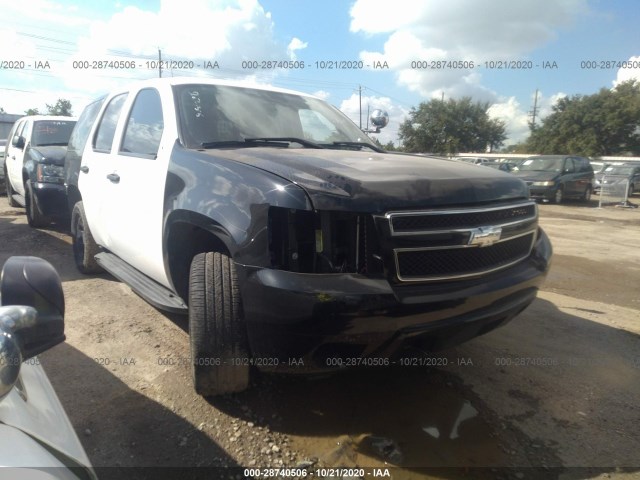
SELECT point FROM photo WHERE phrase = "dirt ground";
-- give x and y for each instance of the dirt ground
(554, 394)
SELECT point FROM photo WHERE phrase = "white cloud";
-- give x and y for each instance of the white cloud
(458, 30)
(321, 94)
(397, 114)
(225, 31)
(517, 117)
(630, 73)
(295, 44)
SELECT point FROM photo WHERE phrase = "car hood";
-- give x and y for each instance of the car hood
(53, 154)
(377, 182)
(536, 176)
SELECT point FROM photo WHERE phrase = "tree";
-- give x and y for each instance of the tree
(451, 127)
(61, 107)
(605, 123)
(2, 110)
(32, 111)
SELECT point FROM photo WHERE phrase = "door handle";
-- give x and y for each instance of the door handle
(13, 157)
(114, 177)
(84, 169)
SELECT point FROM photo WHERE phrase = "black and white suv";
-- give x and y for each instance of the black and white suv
(34, 166)
(294, 243)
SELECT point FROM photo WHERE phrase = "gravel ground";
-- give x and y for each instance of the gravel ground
(554, 394)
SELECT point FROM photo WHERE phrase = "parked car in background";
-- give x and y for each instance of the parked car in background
(34, 167)
(556, 177)
(627, 173)
(3, 146)
(290, 239)
(474, 160)
(36, 438)
(598, 172)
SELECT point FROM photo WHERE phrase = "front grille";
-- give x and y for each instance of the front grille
(417, 223)
(445, 263)
(436, 245)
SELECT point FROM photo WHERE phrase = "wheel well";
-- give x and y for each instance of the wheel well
(185, 241)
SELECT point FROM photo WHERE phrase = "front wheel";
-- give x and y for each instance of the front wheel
(35, 218)
(217, 333)
(85, 247)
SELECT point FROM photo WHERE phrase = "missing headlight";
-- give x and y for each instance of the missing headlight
(323, 242)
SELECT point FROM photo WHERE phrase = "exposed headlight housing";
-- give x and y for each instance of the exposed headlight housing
(323, 242)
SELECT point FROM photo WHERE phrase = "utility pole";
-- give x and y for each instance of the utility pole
(159, 63)
(360, 101)
(533, 113)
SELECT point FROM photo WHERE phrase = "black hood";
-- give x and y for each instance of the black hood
(379, 182)
(53, 154)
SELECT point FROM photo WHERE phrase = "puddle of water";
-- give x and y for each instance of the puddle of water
(381, 418)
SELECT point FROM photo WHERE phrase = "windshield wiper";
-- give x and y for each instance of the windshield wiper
(281, 142)
(53, 144)
(301, 141)
(357, 144)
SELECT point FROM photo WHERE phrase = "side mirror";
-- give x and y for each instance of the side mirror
(31, 305)
(18, 141)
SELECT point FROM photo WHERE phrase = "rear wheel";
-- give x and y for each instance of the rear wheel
(586, 196)
(217, 332)
(84, 246)
(631, 189)
(558, 197)
(9, 189)
(34, 217)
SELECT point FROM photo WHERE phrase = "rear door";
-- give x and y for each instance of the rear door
(569, 176)
(97, 190)
(139, 162)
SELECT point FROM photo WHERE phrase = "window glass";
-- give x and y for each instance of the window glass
(144, 126)
(217, 113)
(17, 130)
(80, 133)
(107, 128)
(26, 130)
(316, 126)
(568, 165)
(51, 132)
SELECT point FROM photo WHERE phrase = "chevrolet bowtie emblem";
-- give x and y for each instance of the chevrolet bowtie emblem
(485, 236)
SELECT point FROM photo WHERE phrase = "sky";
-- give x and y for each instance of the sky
(359, 55)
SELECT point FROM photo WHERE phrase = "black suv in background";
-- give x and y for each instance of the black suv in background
(34, 166)
(556, 177)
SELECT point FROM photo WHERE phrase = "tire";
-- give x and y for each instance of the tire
(632, 190)
(9, 189)
(558, 197)
(586, 196)
(84, 246)
(217, 332)
(34, 217)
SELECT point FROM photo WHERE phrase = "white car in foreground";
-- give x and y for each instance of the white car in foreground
(37, 440)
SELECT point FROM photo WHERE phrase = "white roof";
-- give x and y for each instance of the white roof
(157, 82)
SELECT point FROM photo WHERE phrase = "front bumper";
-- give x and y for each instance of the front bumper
(330, 320)
(51, 199)
(542, 193)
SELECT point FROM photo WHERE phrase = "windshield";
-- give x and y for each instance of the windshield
(211, 114)
(553, 164)
(51, 132)
(618, 171)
